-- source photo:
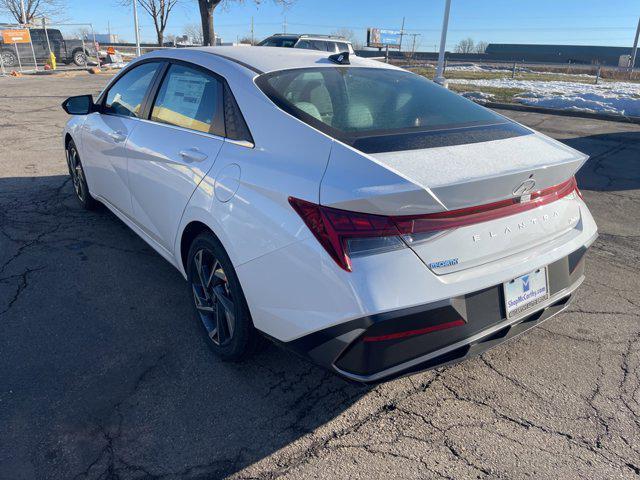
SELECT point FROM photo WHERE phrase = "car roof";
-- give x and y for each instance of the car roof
(269, 59)
(315, 36)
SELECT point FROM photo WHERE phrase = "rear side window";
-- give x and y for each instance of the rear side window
(189, 98)
(313, 45)
(126, 95)
(235, 125)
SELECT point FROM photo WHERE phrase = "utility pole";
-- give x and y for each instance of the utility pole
(401, 35)
(23, 13)
(252, 40)
(634, 51)
(414, 35)
(413, 46)
(135, 26)
(439, 78)
(284, 25)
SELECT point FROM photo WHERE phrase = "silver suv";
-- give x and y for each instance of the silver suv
(324, 43)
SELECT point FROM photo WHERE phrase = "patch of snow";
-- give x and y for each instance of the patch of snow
(621, 98)
(473, 67)
(583, 75)
(479, 97)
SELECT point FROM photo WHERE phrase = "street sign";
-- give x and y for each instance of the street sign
(380, 38)
(16, 36)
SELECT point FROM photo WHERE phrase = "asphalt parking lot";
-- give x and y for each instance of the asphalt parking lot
(104, 374)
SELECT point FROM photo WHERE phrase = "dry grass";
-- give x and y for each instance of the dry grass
(543, 76)
(506, 95)
(608, 73)
(500, 95)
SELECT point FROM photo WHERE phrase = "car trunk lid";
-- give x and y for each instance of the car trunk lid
(447, 180)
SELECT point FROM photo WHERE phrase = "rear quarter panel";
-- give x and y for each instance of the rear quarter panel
(288, 159)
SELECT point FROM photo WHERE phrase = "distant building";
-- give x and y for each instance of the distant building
(187, 41)
(581, 54)
(106, 38)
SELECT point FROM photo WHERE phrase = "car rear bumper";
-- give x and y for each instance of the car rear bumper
(372, 349)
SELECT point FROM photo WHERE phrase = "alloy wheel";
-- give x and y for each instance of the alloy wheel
(77, 173)
(80, 58)
(213, 298)
(9, 59)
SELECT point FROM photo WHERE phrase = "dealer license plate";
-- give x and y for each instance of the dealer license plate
(525, 292)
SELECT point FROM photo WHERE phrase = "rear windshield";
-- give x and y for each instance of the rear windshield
(357, 105)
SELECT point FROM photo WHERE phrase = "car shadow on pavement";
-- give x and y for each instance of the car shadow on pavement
(614, 162)
(108, 371)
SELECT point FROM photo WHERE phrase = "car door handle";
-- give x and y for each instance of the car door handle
(193, 155)
(117, 136)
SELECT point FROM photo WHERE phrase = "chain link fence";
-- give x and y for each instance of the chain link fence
(33, 48)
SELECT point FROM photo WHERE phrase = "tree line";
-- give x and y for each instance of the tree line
(468, 45)
(158, 10)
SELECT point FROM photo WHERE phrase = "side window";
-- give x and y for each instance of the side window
(126, 95)
(342, 47)
(235, 125)
(189, 98)
(54, 35)
(312, 45)
(37, 36)
(332, 47)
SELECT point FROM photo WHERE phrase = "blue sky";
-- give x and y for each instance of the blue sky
(587, 22)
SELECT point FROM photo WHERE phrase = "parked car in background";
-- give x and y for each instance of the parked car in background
(66, 51)
(324, 43)
(354, 212)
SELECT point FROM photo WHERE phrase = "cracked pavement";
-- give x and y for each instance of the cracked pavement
(105, 374)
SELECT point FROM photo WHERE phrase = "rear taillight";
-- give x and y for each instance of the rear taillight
(345, 234)
(341, 232)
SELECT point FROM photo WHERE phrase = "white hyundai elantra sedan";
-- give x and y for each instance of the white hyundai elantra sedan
(350, 210)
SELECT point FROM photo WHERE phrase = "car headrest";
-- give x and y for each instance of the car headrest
(359, 116)
(309, 108)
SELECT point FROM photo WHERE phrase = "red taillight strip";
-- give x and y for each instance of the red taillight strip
(332, 227)
(419, 331)
(434, 222)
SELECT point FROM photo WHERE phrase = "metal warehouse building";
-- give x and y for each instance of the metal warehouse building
(583, 54)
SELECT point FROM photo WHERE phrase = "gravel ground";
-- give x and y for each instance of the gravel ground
(105, 374)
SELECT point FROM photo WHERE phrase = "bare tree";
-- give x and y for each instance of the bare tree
(194, 32)
(32, 9)
(465, 46)
(159, 11)
(348, 34)
(83, 33)
(481, 47)
(206, 14)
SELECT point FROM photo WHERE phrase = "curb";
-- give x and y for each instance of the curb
(566, 113)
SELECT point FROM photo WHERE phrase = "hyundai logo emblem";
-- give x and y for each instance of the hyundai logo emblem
(525, 187)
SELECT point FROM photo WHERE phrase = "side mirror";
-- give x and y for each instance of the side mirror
(79, 105)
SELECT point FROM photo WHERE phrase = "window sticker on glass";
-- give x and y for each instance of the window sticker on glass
(185, 93)
(188, 98)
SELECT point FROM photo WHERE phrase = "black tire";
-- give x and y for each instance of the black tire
(218, 301)
(79, 58)
(76, 171)
(9, 58)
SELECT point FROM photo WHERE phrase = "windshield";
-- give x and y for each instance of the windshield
(350, 103)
